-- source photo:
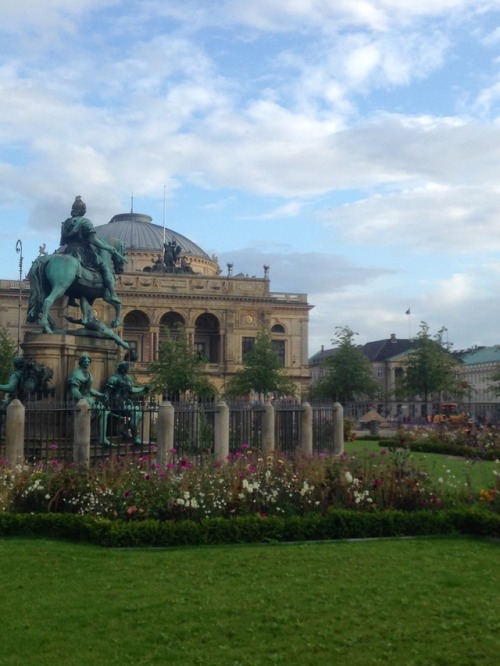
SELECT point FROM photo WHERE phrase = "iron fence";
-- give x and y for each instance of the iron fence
(194, 425)
(245, 425)
(49, 428)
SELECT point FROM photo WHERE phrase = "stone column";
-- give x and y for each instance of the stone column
(165, 432)
(221, 432)
(338, 428)
(268, 436)
(81, 435)
(306, 439)
(14, 433)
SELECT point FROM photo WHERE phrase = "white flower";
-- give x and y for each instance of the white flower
(348, 477)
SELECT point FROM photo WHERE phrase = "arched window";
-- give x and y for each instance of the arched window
(279, 345)
(136, 333)
(207, 337)
(171, 320)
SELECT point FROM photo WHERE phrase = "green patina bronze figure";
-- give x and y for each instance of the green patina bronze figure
(121, 391)
(80, 388)
(81, 269)
(29, 380)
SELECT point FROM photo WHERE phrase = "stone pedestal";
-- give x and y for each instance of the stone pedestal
(61, 354)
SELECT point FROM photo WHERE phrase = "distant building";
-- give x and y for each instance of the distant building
(387, 358)
(478, 365)
(384, 355)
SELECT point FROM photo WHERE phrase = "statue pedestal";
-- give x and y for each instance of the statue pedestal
(61, 354)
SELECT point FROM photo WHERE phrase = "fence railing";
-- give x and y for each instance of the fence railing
(47, 430)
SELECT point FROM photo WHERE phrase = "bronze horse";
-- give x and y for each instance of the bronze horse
(55, 275)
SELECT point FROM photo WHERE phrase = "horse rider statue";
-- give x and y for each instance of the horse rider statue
(81, 241)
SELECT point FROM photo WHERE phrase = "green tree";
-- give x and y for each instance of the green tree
(7, 353)
(179, 370)
(348, 373)
(262, 372)
(430, 369)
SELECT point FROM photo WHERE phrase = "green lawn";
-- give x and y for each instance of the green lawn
(404, 602)
(449, 468)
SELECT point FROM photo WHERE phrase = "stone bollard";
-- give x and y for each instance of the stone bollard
(81, 435)
(165, 432)
(221, 432)
(306, 438)
(14, 433)
(268, 436)
(338, 428)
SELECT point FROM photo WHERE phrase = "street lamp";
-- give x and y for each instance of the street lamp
(19, 250)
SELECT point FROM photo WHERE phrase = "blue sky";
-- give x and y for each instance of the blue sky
(352, 145)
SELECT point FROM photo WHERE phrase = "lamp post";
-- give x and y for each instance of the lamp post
(19, 250)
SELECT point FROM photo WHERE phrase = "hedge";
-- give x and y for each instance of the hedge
(337, 524)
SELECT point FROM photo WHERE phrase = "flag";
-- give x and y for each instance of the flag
(408, 311)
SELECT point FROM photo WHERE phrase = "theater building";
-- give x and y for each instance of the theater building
(169, 280)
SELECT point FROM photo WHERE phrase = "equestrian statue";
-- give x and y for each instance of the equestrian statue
(82, 268)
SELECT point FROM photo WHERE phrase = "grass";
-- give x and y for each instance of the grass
(412, 602)
(478, 473)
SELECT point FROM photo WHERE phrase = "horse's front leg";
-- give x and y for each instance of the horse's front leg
(117, 320)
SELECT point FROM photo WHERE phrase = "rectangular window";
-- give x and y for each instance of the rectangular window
(246, 346)
(133, 349)
(279, 349)
(200, 349)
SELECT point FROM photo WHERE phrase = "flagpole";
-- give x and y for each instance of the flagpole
(164, 187)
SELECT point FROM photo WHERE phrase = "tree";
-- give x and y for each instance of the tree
(348, 372)
(262, 372)
(7, 353)
(430, 369)
(179, 370)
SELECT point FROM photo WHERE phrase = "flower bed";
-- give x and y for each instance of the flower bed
(482, 445)
(137, 489)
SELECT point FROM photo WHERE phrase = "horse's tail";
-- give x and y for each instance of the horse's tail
(37, 280)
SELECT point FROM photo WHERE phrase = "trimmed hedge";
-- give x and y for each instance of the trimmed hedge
(450, 449)
(337, 524)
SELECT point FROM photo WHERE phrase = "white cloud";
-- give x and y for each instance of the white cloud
(337, 114)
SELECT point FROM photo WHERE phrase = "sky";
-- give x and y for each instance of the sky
(351, 145)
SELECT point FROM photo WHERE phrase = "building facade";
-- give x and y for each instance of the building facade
(221, 313)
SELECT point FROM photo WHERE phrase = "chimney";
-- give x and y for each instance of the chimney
(393, 337)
